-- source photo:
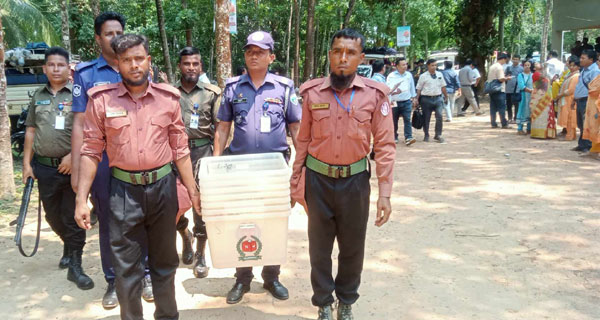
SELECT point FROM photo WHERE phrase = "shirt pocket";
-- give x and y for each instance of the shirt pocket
(359, 125)
(117, 130)
(276, 113)
(160, 129)
(321, 126)
(44, 117)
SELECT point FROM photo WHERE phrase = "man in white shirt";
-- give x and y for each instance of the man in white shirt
(498, 99)
(554, 67)
(467, 77)
(402, 96)
(430, 88)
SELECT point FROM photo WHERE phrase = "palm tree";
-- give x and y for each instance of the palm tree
(223, 42)
(7, 182)
(24, 22)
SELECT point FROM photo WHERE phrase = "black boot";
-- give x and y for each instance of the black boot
(200, 268)
(187, 253)
(65, 259)
(76, 273)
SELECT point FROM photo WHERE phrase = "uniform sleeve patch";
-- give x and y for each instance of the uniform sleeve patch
(385, 109)
(294, 99)
(76, 90)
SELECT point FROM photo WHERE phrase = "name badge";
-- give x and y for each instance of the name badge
(42, 102)
(242, 100)
(117, 113)
(101, 83)
(60, 123)
(194, 121)
(265, 124)
(317, 106)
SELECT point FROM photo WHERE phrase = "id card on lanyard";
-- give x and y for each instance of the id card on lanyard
(195, 119)
(265, 120)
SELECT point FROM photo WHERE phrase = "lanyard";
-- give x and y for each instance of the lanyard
(195, 108)
(340, 102)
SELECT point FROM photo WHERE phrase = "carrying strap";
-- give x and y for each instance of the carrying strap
(37, 235)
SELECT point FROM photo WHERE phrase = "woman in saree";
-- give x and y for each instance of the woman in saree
(525, 85)
(543, 119)
(591, 126)
(567, 116)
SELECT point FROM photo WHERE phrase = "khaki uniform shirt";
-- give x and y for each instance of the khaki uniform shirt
(43, 110)
(208, 98)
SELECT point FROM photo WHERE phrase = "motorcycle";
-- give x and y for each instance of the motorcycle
(17, 138)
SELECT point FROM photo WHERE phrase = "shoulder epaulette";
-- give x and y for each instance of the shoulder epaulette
(377, 85)
(167, 88)
(212, 87)
(283, 80)
(311, 83)
(97, 89)
(232, 80)
(86, 64)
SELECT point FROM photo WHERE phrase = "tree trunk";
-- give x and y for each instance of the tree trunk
(223, 42)
(351, 4)
(545, 30)
(403, 4)
(316, 49)
(64, 13)
(164, 40)
(188, 31)
(501, 25)
(7, 181)
(289, 37)
(297, 6)
(95, 6)
(310, 40)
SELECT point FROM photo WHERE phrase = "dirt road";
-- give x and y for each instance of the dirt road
(490, 225)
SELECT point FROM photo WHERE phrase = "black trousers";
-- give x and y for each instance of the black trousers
(337, 208)
(144, 216)
(58, 200)
(432, 104)
(512, 102)
(582, 143)
(196, 154)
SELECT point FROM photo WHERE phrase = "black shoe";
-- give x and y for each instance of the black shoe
(75, 273)
(494, 126)
(325, 313)
(200, 268)
(439, 139)
(344, 312)
(147, 293)
(187, 253)
(277, 290)
(578, 149)
(236, 293)
(426, 139)
(65, 259)
(109, 300)
(506, 127)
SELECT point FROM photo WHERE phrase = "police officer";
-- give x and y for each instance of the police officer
(331, 174)
(199, 105)
(48, 143)
(87, 75)
(261, 105)
(140, 125)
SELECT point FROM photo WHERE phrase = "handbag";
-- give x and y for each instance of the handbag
(417, 118)
(493, 86)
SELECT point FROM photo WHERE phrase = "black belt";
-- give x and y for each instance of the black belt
(439, 95)
(403, 101)
(581, 99)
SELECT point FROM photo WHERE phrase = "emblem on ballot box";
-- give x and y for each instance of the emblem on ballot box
(249, 245)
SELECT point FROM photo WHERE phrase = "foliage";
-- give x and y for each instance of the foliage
(23, 22)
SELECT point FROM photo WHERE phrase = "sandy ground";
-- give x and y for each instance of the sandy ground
(490, 225)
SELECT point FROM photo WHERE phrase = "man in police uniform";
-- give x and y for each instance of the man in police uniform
(199, 105)
(87, 75)
(331, 174)
(261, 105)
(139, 123)
(48, 143)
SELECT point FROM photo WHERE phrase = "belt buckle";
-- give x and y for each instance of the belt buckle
(55, 162)
(145, 178)
(334, 172)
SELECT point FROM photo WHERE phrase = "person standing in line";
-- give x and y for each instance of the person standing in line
(525, 86)
(430, 88)
(452, 88)
(199, 106)
(513, 94)
(403, 98)
(498, 99)
(261, 105)
(465, 77)
(568, 115)
(101, 71)
(589, 71)
(378, 71)
(331, 172)
(47, 158)
(139, 123)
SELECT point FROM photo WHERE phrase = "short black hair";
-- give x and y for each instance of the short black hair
(400, 59)
(430, 61)
(590, 54)
(188, 51)
(56, 51)
(349, 33)
(239, 71)
(127, 41)
(502, 55)
(378, 66)
(448, 64)
(531, 65)
(468, 62)
(574, 59)
(420, 61)
(518, 56)
(106, 16)
(553, 54)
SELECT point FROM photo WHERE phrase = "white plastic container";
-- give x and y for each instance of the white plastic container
(246, 205)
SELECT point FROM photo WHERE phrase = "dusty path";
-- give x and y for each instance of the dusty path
(490, 225)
